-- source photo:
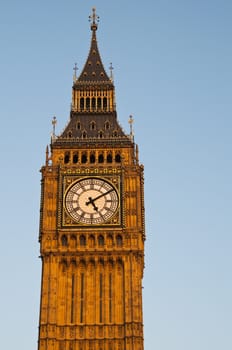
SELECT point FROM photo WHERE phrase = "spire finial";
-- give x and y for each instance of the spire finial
(75, 73)
(111, 72)
(94, 19)
(131, 121)
(47, 155)
(54, 121)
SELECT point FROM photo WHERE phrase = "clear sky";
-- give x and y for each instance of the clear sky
(172, 70)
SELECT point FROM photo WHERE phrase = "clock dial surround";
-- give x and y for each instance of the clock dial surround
(91, 201)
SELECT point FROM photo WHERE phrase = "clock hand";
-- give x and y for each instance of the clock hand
(92, 200)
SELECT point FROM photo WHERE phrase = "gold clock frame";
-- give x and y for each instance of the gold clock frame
(69, 180)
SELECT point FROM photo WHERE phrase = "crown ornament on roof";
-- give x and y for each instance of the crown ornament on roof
(94, 19)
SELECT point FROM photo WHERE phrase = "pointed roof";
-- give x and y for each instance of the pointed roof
(93, 70)
(96, 122)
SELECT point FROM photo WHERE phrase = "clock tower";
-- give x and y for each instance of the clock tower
(92, 223)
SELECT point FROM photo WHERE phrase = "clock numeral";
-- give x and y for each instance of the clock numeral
(73, 191)
(75, 211)
(108, 209)
(71, 201)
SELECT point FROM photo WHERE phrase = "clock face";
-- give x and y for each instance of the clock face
(91, 201)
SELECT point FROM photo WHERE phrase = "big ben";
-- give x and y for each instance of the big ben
(92, 223)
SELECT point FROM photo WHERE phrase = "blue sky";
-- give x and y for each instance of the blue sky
(172, 69)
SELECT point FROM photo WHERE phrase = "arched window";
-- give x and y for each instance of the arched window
(94, 103)
(75, 158)
(100, 158)
(92, 126)
(78, 125)
(107, 125)
(91, 241)
(70, 134)
(87, 103)
(119, 241)
(82, 241)
(100, 134)
(104, 102)
(109, 240)
(101, 241)
(99, 103)
(73, 241)
(82, 103)
(64, 265)
(84, 134)
(118, 158)
(64, 241)
(66, 157)
(109, 158)
(92, 158)
(84, 158)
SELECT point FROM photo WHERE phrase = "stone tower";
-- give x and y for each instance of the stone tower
(92, 224)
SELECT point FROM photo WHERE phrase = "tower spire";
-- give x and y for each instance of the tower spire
(93, 70)
(93, 106)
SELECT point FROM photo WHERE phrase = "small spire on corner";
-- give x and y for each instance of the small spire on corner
(111, 72)
(47, 155)
(94, 19)
(54, 121)
(75, 73)
(131, 121)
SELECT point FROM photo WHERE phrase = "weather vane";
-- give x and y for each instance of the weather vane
(94, 19)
